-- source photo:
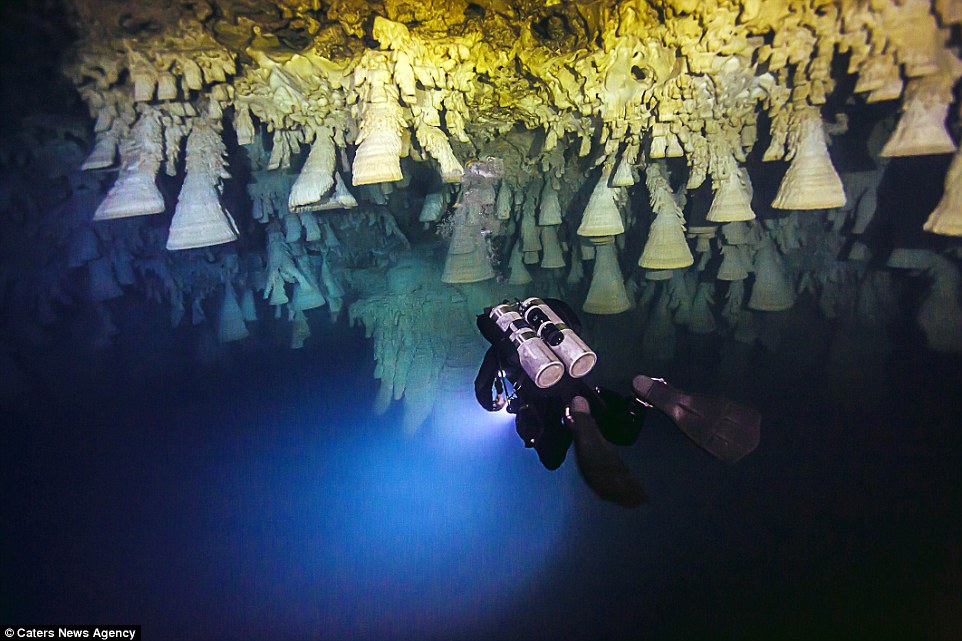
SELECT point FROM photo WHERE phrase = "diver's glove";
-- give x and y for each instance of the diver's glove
(600, 467)
(723, 428)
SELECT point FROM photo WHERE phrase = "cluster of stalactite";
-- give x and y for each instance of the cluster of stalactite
(600, 151)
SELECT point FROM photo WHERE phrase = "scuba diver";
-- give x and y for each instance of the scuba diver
(536, 367)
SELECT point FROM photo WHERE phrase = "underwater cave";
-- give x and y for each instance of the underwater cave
(256, 257)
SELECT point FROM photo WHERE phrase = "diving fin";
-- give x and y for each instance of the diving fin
(723, 428)
(605, 473)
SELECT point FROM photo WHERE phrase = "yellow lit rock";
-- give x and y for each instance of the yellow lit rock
(946, 220)
(135, 193)
(563, 93)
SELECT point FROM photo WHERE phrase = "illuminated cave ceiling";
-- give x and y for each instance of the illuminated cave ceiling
(611, 80)
(547, 127)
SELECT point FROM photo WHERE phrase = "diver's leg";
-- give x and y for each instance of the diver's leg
(552, 446)
(600, 467)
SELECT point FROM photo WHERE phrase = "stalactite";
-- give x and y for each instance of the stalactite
(413, 105)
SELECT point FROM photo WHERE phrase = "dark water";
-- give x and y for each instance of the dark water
(258, 498)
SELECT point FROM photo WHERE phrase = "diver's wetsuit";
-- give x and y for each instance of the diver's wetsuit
(540, 412)
(550, 419)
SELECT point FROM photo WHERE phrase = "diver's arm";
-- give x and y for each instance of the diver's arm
(487, 374)
(489, 329)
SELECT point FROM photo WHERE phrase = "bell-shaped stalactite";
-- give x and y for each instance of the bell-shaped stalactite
(666, 247)
(300, 330)
(738, 233)
(199, 219)
(735, 264)
(519, 272)
(702, 317)
(420, 389)
(601, 216)
(312, 231)
(231, 326)
(811, 181)
(306, 297)
(135, 192)
(378, 155)
(317, 175)
(702, 236)
(307, 293)
(622, 176)
(549, 212)
(104, 151)
(607, 294)
(733, 201)
(248, 306)
(940, 314)
(772, 291)
(468, 259)
(659, 340)
(530, 237)
(472, 267)
(921, 129)
(877, 73)
(552, 256)
(432, 208)
(342, 198)
(464, 233)
(281, 269)
(946, 219)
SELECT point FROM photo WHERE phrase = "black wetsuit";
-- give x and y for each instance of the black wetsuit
(539, 412)
(545, 417)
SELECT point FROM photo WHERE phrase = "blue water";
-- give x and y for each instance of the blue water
(260, 499)
(280, 508)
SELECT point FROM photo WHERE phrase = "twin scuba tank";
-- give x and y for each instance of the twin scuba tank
(546, 346)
